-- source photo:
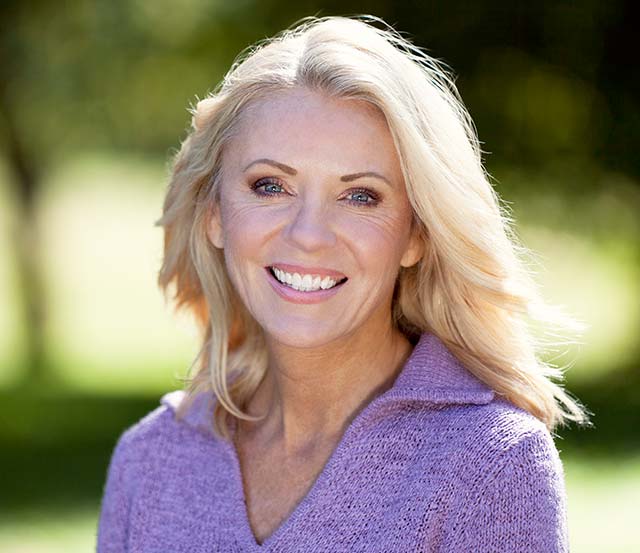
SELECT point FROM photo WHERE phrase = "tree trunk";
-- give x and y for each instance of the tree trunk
(26, 244)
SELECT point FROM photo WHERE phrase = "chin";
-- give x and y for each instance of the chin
(311, 335)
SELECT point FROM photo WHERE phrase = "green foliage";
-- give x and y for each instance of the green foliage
(121, 74)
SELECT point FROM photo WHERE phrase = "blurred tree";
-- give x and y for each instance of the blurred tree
(25, 164)
(96, 75)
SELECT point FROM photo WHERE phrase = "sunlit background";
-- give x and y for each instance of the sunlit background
(93, 102)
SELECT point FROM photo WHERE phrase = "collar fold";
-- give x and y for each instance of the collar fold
(434, 375)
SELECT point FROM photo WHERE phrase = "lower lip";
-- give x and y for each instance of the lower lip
(295, 296)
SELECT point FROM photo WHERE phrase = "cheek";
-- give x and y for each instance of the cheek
(245, 224)
(380, 238)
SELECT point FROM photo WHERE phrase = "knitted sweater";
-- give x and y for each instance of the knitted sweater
(437, 463)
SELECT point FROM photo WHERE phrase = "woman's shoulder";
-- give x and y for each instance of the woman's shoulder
(436, 395)
(500, 435)
(151, 456)
(498, 429)
(160, 428)
(471, 441)
(136, 440)
(511, 484)
(505, 424)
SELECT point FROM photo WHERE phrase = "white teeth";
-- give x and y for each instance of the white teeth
(327, 283)
(305, 283)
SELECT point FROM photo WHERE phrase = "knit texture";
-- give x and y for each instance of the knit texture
(437, 463)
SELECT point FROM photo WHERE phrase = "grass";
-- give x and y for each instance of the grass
(41, 530)
(603, 503)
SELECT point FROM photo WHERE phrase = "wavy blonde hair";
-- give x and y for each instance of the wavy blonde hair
(471, 288)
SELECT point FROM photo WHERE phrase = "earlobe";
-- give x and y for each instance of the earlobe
(414, 251)
(214, 227)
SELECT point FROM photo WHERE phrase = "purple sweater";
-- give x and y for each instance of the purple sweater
(437, 463)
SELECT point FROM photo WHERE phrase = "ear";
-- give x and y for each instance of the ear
(214, 226)
(415, 248)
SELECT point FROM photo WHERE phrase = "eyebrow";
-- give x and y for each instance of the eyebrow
(291, 171)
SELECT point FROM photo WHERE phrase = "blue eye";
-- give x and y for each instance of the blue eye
(363, 197)
(270, 186)
(366, 197)
(265, 187)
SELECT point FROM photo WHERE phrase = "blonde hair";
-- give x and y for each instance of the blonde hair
(471, 288)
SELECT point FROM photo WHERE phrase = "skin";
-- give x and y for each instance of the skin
(326, 360)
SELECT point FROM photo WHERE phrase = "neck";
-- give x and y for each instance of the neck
(311, 396)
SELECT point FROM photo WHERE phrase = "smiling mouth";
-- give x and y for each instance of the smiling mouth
(305, 283)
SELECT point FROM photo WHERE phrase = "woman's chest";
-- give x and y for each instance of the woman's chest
(366, 496)
(274, 485)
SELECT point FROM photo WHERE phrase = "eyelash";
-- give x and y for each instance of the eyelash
(256, 186)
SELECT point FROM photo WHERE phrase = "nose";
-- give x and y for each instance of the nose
(310, 228)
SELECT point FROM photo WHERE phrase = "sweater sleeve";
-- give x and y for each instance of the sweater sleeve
(116, 501)
(518, 507)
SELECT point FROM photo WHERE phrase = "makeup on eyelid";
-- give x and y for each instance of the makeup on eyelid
(267, 181)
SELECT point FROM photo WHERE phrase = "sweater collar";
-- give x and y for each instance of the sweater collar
(431, 375)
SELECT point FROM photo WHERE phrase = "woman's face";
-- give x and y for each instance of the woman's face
(313, 185)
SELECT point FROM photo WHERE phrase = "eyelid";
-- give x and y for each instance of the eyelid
(264, 181)
(375, 197)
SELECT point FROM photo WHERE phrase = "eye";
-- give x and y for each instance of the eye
(363, 196)
(267, 187)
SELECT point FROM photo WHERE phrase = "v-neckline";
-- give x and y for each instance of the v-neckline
(239, 496)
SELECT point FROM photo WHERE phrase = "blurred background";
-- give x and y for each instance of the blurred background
(93, 102)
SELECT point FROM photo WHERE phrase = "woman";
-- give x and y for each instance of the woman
(367, 381)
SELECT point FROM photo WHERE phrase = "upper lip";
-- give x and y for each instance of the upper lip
(319, 271)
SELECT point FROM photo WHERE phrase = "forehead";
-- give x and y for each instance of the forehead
(300, 124)
(297, 100)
